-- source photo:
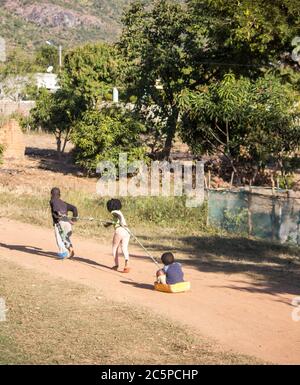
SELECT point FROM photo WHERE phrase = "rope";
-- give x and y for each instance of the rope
(90, 219)
(143, 247)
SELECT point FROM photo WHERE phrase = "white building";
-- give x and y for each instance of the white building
(13, 87)
(47, 80)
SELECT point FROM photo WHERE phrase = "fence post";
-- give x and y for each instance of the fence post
(249, 214)
(207, 214)
(273, 218)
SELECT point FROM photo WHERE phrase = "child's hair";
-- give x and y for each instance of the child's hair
(55, 192)
(114, 204)
(167, 258)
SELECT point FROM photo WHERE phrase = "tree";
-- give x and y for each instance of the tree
(16, 74)
(91, 71)
(46, 56)
(56, 113)
(244, 37)
(152, 43)
(103, 134)
(87, 77)
(247, 121)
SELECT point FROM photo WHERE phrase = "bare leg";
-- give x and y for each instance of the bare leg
(125, 243)
(115, 248)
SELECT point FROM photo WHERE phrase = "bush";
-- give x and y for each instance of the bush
(102, 135)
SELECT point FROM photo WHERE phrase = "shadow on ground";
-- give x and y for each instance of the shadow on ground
(275, 267)
(145, 286)
(90, 262)
(48, 160)
(30, 250)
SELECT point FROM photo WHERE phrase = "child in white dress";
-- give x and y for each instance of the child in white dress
(121, 235)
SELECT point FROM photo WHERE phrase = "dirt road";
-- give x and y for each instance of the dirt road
(220, 306)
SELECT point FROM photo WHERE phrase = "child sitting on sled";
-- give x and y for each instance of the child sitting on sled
(62, 224)
(171, 273)
(121, 236)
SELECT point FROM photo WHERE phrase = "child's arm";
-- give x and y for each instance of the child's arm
(118, 218)
(73, 210)
(108, 223)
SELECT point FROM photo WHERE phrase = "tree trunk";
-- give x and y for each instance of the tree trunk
(58, 145)
(172, 125)
(67, 137)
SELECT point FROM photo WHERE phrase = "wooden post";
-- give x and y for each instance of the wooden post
(231, 179)
(207, 214)
(273, 184)
(273, 218)
(250, 228)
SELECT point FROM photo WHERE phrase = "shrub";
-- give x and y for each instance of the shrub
(102, 135)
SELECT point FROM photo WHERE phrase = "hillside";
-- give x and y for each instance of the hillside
(27, 23)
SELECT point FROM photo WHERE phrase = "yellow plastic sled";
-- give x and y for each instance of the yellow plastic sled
(176, 288)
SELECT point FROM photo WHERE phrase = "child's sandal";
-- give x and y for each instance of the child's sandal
(126, 270)
(115, 268)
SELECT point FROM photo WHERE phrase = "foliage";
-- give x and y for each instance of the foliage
(248, 121)
(57, 113)
(87, 77)
(46, 56)
(236, 222)
(245, 37)
(18, 62)
(152, 43)
(102, 135)
(90, 72)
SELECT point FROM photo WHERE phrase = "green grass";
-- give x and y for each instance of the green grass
(53, 321)
(155, 213)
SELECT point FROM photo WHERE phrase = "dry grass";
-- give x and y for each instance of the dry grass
(52, 321)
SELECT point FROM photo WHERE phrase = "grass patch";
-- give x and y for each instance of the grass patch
(155, 213)
(53, 321)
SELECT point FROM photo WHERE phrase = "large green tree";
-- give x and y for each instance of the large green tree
(101, 135)
(152, 43)
(247, 121)
(245, 37)
(91, 71)
(46, 56)
(86, 80)
(56, 113)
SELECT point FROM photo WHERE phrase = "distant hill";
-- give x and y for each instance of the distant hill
(28, 24)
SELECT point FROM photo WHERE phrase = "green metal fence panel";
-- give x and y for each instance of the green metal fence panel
(270, 217)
